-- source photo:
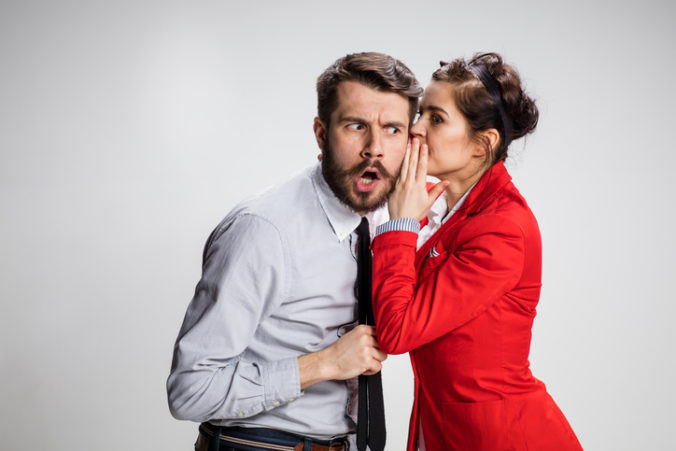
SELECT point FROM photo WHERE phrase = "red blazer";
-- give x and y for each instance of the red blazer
(463, 306)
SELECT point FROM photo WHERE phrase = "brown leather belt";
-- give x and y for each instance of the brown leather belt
(230, 437)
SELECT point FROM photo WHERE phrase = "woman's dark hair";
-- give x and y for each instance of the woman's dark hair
(372, 69)
(474, 101)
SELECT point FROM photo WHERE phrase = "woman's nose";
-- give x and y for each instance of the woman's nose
(417, 129)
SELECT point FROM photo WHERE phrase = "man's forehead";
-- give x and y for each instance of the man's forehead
(357, 99)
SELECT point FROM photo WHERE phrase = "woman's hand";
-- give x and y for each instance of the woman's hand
(410, 198)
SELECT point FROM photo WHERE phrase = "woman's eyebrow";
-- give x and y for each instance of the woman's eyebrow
(434, 108)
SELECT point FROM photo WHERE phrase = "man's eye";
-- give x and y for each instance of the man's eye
(356, 126)
(392, 130)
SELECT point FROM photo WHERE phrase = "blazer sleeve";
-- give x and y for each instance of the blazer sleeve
(487, 262)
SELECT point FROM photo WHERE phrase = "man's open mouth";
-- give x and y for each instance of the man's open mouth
(369, 176)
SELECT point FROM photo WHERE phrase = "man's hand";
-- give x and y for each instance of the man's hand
(354, 353)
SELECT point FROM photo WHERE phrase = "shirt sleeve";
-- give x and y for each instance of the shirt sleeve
(243, 280)
(401, 224)
(414, 309)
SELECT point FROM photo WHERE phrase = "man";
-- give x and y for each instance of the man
(267, 350)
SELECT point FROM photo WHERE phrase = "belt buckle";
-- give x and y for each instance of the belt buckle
(338, 445)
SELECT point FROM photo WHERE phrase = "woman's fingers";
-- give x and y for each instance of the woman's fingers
(404, 164)
(410, 198)
(436, 192)
(421, 173)
(413, 162)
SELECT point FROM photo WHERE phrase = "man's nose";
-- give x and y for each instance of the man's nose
(373, 147)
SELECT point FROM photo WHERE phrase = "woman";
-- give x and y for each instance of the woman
(460, 296)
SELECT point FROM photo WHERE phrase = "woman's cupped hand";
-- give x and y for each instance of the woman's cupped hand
(410, 198)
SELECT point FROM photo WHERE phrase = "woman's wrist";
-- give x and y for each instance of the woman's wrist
(400, 225)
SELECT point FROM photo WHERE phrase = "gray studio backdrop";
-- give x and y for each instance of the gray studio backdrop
(128, 129)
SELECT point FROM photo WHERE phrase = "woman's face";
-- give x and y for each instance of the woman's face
(452, 154)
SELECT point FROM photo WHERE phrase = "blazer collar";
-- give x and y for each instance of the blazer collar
(485, 189)
(488, 186)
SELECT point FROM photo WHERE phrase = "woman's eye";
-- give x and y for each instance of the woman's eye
(436, 119)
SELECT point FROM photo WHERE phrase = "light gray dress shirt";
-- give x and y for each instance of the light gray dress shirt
(277, 282)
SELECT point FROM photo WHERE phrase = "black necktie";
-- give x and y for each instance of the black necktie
(371, 413)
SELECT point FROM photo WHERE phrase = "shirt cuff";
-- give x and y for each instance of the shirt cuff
(281, 381)
(399, 224)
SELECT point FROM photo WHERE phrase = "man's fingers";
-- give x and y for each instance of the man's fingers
(365, 329)
(373, 369)
(379, 355)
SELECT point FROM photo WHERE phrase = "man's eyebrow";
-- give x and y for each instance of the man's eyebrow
(363, 121)
(351, 119)
(396, 124)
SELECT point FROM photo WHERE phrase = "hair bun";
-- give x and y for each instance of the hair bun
(525, 116)
(518, 105)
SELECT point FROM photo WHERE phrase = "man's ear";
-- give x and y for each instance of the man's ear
(320, 132)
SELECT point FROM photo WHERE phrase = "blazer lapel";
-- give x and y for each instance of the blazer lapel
(488, 186)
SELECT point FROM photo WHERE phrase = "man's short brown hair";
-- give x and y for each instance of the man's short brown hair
(372, 69)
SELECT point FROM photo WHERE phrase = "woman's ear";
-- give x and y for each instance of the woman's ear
(489, 141)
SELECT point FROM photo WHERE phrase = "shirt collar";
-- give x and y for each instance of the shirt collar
(342, 218)
(438, 210)
(459, 203)
(439, 213)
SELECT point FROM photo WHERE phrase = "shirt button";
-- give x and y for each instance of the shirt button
(276, 403)
(240, 414)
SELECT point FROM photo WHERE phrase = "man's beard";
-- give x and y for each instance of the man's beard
(341, 182)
